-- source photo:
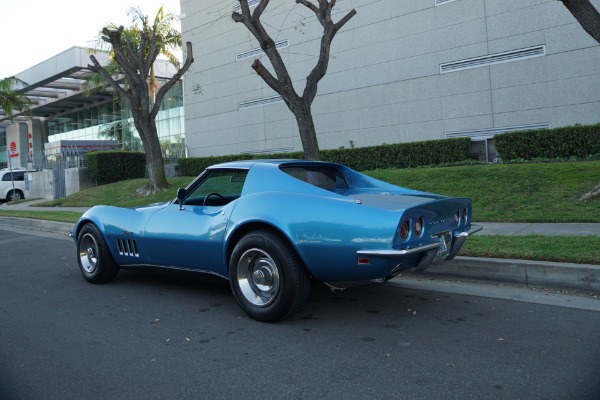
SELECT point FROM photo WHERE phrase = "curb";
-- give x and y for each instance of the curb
(542, 273)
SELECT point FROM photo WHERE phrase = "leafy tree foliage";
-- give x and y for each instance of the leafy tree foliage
(12, 100)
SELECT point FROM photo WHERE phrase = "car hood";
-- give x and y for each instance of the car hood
(393, 200)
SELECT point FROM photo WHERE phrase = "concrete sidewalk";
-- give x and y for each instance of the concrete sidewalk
(544, 229)
(539, 273)
(31, 206)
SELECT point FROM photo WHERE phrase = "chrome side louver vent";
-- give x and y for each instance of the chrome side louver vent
(127, 247)
(498, 58)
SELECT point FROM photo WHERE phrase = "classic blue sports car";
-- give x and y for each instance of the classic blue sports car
(273, 227)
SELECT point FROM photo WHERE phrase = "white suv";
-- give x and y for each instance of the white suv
(7, 193)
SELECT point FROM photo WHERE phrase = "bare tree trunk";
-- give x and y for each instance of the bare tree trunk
(157, 180)
(587, 16)
(281, 82)
(308, 135)
(155, 167)
(136, 67)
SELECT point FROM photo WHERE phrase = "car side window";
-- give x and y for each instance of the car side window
(324, 177)
(17, 176)
(218, 188)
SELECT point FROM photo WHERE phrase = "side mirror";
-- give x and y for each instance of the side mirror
(181, 193)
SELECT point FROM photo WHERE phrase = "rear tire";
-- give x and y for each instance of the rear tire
(95, 261)
(267, 278)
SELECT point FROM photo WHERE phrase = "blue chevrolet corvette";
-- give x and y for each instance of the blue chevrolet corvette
(274, 227)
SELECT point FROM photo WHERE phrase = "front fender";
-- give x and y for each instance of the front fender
(114, 222)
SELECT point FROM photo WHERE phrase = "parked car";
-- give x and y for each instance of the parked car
(274, 227)
(8, 191)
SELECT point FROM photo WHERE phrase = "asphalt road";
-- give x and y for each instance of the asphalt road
(156, 336)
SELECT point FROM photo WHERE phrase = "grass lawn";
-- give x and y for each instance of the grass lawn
(50, 215)
(546, 192)
(572, 249)
(121, 194)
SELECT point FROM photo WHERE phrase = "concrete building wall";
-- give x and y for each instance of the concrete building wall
(77, 179)
(41, 185)
(386, 81)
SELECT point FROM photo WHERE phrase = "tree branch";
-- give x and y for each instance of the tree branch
(330, 30)
(171, 82)
(587, 16)
(96, 67)
(252, 22)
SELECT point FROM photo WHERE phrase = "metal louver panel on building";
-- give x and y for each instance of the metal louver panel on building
(258, 51)
(488, 133)
(251, 3)
(259, 102)
(514, 55)
(442, 2)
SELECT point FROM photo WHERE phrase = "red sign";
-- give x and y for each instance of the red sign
(13, 150)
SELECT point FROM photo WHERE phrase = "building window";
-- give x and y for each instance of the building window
(498, 58)
(113, 121)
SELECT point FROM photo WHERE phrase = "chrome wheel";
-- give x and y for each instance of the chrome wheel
(258, 277)
(93, 256)
(88, 253)
(267, 278)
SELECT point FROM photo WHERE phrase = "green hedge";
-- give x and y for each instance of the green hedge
(401, 155)
(559, 143)
(114, 166)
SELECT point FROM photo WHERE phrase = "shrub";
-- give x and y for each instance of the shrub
(578, 142)
(400, 155)
(114, 166)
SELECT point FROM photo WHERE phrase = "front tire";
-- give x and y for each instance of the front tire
(267, 278)
(95, 261)
(14, 195)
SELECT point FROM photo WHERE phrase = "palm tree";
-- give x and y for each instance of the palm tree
(12, 100)
(133, 52)
(169, 39)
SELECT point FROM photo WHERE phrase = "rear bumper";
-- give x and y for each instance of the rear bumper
(425, 255)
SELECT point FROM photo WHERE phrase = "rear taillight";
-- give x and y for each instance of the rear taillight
(418, 226)
(404, 229)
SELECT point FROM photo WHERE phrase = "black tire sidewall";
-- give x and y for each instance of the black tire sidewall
(12, 193)
(294, 281)
(106, 269)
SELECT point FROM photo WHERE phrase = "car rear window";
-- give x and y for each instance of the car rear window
(324, 177)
